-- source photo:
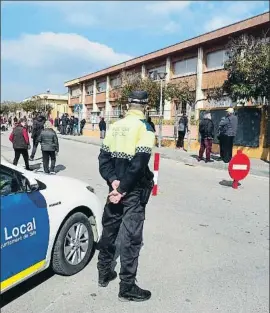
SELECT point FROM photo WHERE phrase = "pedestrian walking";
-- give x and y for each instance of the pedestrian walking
(20, 140)
(15, 120)
(49, 147)
(10, 121)
(38, 126)
(30, 124)
(102, 128)
(82, 124)
(182, 130)
(123, 164)
(227, 131)
(206, 129)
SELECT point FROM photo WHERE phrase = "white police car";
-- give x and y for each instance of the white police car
(45, 221)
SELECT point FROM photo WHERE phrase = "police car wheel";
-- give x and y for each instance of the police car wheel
(73, 246)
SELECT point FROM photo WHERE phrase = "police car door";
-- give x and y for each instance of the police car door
(24, 229)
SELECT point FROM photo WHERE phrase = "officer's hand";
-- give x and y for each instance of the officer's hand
(115, 198)
(115, 184)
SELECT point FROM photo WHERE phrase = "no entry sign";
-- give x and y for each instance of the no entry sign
(239, 167)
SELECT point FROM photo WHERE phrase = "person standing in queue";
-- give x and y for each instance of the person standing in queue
(102, 128)
(20, 140)
(123, 164)
(76, 126)
(82, 124)
(227, 131)
(206, 129)
(64, 123)
(182, 129)
(49, 147)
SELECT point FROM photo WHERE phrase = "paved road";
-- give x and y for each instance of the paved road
(206, 246)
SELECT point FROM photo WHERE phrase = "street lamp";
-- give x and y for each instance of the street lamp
(161, 76)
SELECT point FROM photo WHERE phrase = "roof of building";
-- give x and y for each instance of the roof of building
(49, 96)
(198, 40)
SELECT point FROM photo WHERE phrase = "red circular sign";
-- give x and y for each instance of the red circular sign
(239, 166)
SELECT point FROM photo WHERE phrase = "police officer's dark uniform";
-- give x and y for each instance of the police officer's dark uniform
(124, 156)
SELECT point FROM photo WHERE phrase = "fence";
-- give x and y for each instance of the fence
(169, 126)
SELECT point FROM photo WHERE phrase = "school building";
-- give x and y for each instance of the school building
(198, 61)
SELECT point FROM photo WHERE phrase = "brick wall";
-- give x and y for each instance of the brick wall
(191, 79)
(101, 97)
(74, 100)
(89, 100)
(213, 79)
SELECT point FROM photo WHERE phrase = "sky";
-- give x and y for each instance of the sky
(45, 43)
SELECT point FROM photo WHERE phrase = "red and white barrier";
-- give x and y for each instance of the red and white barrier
(156, 169)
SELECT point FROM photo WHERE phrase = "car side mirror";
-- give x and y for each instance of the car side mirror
(34, 187)
(30, 184)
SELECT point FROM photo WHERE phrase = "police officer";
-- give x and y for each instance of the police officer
(123, 163)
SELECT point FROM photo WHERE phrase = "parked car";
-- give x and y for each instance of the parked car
(45, 221)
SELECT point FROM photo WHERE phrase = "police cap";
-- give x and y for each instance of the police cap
(140, 97)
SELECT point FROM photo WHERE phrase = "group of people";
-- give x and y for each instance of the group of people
(227, 130)
(103, 126)
(42, 133)
(69, 125)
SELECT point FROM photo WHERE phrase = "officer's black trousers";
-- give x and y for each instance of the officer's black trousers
(130, 215)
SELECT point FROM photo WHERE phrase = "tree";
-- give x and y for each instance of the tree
(248, 67)
(133, 81)
(180, 92)
(4, 109)
(10, 107)
(29, 106)
(171, 91)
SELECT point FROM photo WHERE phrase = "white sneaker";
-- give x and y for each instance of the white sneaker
(53, 173)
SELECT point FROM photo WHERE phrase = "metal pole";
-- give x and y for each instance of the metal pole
(79, 119)
(160, 117)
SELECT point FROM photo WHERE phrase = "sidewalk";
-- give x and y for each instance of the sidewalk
(258, 167)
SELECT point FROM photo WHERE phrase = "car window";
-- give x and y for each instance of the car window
(8, 183)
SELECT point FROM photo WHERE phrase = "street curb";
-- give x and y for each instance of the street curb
(187, 160)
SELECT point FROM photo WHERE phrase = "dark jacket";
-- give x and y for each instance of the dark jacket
(71, 122)
(206, 128)
(38, 126)
(48, 140)
(102, 125)
(228, 126)
(183, 124)
(64, 121)
(83, 121)
(56, 122)
(76, 121)
(19, 137)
